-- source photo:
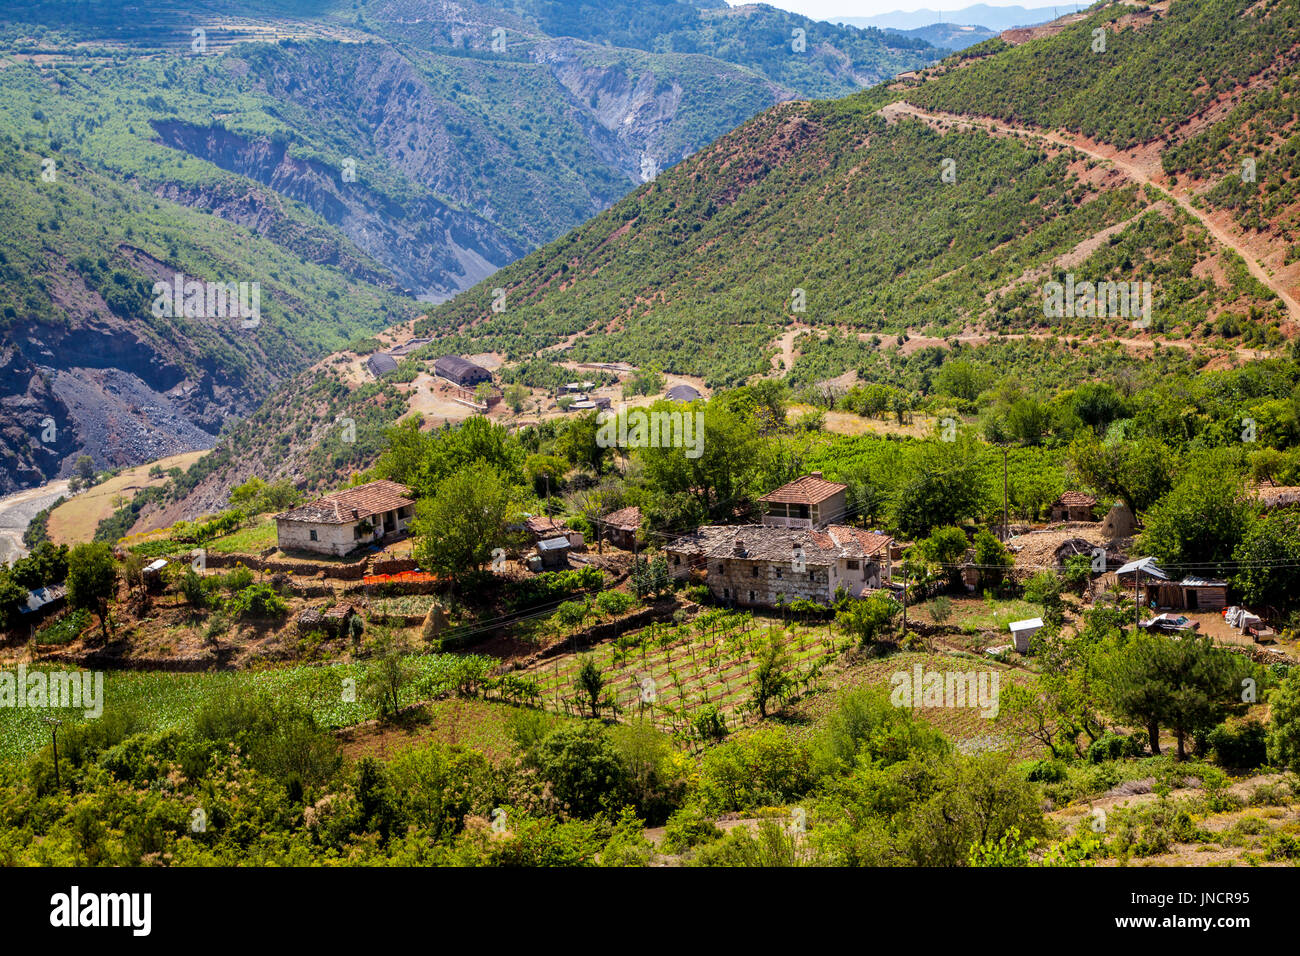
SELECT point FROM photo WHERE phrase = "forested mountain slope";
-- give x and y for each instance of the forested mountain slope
(857, 222)
(348, 158)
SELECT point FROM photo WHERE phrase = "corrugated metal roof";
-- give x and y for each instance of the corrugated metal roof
(553, 544)
(1146, 566)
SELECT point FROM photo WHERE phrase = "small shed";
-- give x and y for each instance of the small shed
(1022, 631)
(554, 552)
(621, 527)
(461, 371)
(152, 573)
(1202, 594)
(1073, 506)
(381, 364)
(42, 601)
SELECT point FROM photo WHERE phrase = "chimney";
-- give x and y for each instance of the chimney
(816, 474)
(738, 547)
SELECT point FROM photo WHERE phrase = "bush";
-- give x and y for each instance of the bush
(614, 602)
(258, 600)
(689, 828)
(1114, 747)
(1239, 744)
(1046, 771)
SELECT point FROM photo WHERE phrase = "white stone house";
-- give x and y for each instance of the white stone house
(763, 566)
(346, 520)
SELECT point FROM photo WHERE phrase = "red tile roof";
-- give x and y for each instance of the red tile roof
(625, 519)
(1077, 499)
(352, 504)
(809, 490)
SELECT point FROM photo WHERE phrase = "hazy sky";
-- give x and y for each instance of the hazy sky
(832, 9)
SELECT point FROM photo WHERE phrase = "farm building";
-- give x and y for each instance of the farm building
(554, 552)
(460, 371)
(543, 527)
(1022, 631)
(807, 502)
(42, 601)
(1157, 589)
(346, 520)
(409, 346)
(1073, 506)
(621, 527)
(758, 565)
(682, 393)
(381, 364)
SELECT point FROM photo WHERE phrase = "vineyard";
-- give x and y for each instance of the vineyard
(693, 676)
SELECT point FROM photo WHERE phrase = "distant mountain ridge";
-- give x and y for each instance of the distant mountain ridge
(995, 18)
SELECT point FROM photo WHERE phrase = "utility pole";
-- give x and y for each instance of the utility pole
(1006, 524)
(54, 740)
(1137, 608)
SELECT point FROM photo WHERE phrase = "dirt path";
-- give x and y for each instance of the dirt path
(1137, 172)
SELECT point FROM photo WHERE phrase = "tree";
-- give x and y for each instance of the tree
(1139, 472)
(84, 468)
(947, 548)
(388, 675)
(1203, 519)
(590, 684)
(772, 679)
(515, 395)
(1284, 722)
(463, 521)
(1184, 683)
(868, 618)
(1268, 561)
(992, 558)
(92, 580)
(721, 477)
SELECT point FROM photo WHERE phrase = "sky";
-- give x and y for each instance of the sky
(833, 9)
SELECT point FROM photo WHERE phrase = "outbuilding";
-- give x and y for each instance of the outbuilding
(461, 371)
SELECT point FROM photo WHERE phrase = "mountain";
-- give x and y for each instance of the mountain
(349, 158)
(950, 36)
(996, 18)
(927, 214)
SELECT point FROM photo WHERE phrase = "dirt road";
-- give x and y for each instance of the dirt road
(1114, 157)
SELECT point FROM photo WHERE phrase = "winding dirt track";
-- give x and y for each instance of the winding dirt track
(1131, 169)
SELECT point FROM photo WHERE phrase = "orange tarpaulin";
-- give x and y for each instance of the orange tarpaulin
(399, 576)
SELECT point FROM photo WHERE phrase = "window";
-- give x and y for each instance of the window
(313, 534)
(726, 594)
(778, 572)
(853, 565)
(755, 570)
(677, 559)
(751, 597)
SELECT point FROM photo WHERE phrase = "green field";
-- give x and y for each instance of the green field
(171, 700)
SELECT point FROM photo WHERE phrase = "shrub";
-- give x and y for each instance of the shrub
(1239, 744)
(614, 602)
(1112, 746)
(1046, 771)
(258, 600)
